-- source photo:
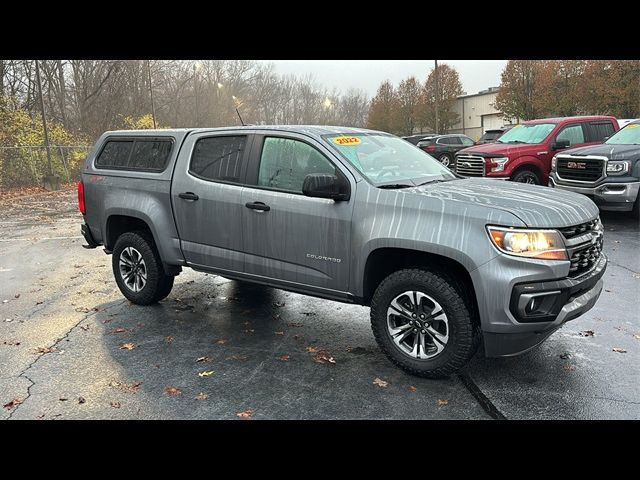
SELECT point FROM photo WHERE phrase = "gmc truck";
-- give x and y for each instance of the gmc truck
(609, 174)
(524, 153)
(351, 215)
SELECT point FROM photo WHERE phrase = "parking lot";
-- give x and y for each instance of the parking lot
(72, 347)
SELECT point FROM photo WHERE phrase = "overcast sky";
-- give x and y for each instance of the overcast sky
(367, 75)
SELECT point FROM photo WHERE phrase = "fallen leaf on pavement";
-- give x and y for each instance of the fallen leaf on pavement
(381, 383)
(285, 358)
(81, 400)
(619, 350)
(323, 357)
(442, 403)
(279, 304)
(119, 330)
(412, 389)
(17, 295)
(5, 301)
(279, 333)
(126, 387)
(636, 275)
(116, 404)
(569, 368)
(295, 324)
(45, 350)
(84, 327)
(8, 319)
(245, 414)
(637, 337)
(249, 330)
(313, 349)
(222, 341)
(172, 391)
(127, 346)
(203, 360)
(237, 357)
(308, 314)
(565, 355)
(202, 396)
(39, 303)
(205, 374)
(13, 403)
(586, 333)
(168, 339)
(62, 399)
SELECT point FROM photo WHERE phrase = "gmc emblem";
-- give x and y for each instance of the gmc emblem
(578, 165)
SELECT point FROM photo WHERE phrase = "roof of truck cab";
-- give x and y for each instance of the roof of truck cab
(583, 118)
(314, 130)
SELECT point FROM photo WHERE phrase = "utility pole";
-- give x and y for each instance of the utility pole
(195, 90)
(153, 108)
(44, 120)
(437, 74)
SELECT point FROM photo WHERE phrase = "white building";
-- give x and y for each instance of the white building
(478, 113)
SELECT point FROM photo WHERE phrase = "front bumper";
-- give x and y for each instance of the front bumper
(505, 332)
(618, 196)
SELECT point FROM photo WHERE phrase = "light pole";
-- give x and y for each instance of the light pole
(437, 74)
(153, 108)
(44, 121)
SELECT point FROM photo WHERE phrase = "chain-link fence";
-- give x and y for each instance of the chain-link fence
(26, 166)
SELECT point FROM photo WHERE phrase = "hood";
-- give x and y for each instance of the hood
(499, 149)
(536, 206)
(612, 152)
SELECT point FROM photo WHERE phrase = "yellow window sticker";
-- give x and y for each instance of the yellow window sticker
(517, 126)
(633, 125)
(347, 141)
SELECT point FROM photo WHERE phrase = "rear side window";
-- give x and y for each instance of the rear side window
(598, 131)
(219, 158)
(467, 141)
(142, 155)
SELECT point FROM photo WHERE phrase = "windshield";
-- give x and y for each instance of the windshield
(629, 135)
(527, 133)
(388, 160)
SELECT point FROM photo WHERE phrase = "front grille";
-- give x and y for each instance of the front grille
(584, 246)
(470, 165)
(579, 169)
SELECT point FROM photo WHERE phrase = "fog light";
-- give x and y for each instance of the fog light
(537, 304)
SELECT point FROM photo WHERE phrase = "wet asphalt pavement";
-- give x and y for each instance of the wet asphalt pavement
(72, 347)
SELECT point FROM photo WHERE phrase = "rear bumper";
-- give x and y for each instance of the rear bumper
(616, 196)
(506, 332)
(86, 233)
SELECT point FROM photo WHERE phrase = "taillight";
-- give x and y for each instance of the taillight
(429, 148)
(81, 205)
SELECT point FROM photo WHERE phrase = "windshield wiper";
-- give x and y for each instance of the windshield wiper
(515, 141)
(437, 180)
(393, 186)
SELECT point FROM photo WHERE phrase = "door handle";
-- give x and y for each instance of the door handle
(188, 196)
(260, 206)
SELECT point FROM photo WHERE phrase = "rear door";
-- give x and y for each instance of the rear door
(207, 198)
(295, 240)
(598, 131)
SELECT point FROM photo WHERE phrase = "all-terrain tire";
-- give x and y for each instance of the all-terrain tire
(158, 284)
(464, 333)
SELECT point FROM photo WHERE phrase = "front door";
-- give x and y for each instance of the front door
(207, 199)
(301, 241)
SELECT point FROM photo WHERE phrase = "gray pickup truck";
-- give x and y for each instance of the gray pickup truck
(350, 215)
(609, 174)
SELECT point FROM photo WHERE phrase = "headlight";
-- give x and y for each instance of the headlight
(554, 161)
(498, 163)
(540, 244)
(617, 168)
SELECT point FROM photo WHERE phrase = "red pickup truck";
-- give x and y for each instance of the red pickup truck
(524, 153)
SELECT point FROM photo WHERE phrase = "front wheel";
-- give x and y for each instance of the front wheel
(422, 323)
(138, 269)
(527, 176)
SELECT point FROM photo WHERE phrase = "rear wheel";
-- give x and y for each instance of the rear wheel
(527, 175)
(138, 269)
(445, 159)
(423, 324)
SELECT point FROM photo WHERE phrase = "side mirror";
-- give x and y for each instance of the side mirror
(559, 144)
(324, 185)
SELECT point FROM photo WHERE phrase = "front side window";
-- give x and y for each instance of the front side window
(387, 160)
(286, 162)
(572, 133)
(532, 133)
(219, 158)
(629, 135)
(598, 131)
(445, 141)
